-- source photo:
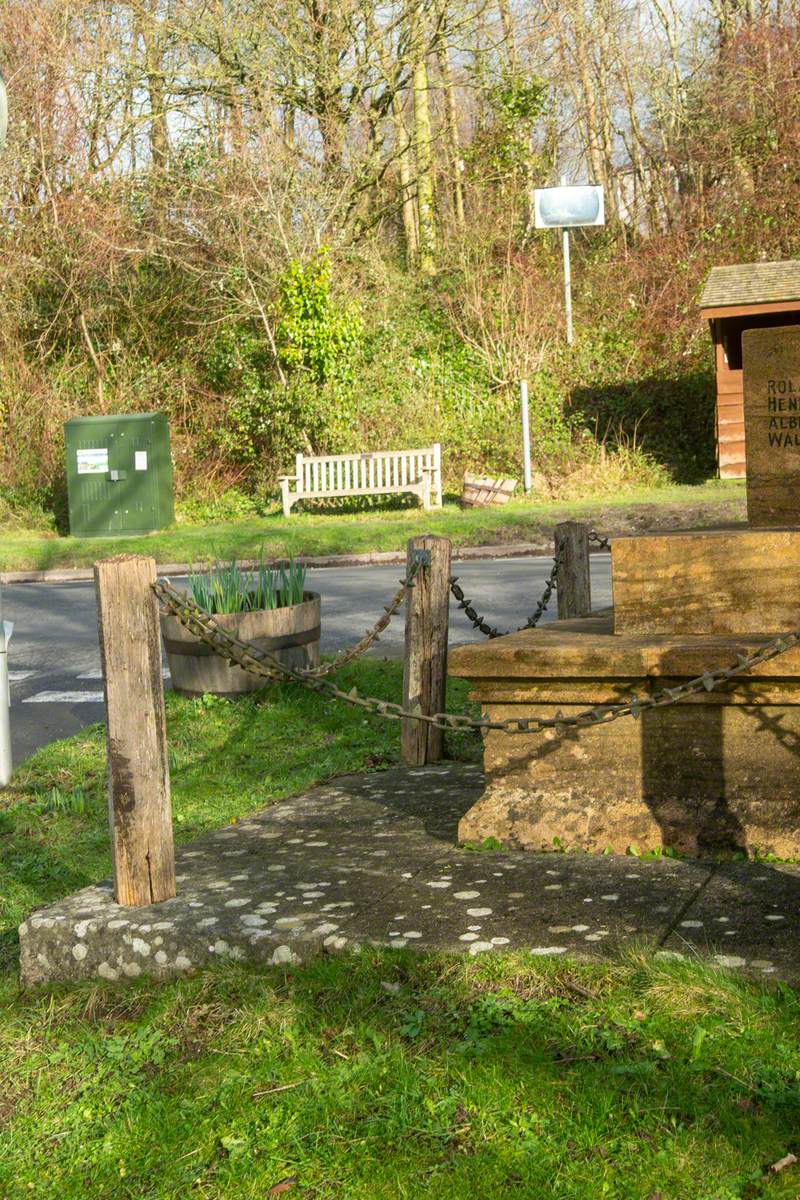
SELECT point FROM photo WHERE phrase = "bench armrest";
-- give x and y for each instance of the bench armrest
(289, 478)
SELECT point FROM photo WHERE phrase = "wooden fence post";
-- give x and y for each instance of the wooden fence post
(139, 806)
(573, 581)
(425, 670)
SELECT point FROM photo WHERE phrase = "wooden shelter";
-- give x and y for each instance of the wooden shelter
(746, 296)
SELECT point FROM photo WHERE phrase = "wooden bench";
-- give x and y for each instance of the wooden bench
(386, 472)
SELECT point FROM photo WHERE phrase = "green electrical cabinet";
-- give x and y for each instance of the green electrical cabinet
(119, 474)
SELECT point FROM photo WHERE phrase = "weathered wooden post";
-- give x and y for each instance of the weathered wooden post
(139, 806)
(573, 581)
(425, 672)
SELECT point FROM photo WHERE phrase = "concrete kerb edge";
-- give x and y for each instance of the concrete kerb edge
(375, 558)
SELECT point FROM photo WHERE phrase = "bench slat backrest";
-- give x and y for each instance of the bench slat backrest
(380, 470)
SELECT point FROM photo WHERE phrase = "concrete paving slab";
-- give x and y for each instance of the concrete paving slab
(372, 859)
(747, 916)
(550, 903)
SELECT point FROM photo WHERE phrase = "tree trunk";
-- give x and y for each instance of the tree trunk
(508, 35)
(454, 146)
(156, 89)
(410, 230)
(422, 147)
(594, 137)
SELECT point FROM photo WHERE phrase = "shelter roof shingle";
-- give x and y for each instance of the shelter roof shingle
(752, 283)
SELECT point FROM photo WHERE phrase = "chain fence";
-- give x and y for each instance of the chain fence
(490, 631)
(261, 663)
(374, 633)
(599, 540)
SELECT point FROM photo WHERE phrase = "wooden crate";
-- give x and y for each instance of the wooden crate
(478, 492)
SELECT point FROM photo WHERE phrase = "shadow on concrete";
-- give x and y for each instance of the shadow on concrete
(446, 792)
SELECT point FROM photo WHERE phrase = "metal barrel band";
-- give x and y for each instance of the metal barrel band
(261, 663)
(283, 642)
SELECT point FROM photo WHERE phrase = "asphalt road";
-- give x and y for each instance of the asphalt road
(54, 658)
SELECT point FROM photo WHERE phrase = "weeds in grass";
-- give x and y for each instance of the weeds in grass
(55, 800)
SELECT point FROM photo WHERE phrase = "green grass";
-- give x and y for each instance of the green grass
(374, 1077)
(391, 1075)
(381, 528)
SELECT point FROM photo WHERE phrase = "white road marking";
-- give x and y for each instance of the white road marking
(18, 676)
(65, 698)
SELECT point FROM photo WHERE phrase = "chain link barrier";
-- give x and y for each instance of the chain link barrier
(259, 662)
(344, 657)
(372, 635)
(599, 540)
(483, 626)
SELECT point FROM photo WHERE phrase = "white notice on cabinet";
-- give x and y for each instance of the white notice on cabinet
(92, 462)
(140, 460)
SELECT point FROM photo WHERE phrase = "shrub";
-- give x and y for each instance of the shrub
(230, 505)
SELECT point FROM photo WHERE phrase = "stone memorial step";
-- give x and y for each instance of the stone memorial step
(727, 581)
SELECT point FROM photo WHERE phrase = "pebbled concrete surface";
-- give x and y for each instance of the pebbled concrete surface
(372, 859)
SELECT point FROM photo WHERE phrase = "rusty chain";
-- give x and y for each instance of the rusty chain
(477, 622)
(600, 540)
(372, 635)
(483, 626)
(369, 639)
(259, 662)
(541, 605)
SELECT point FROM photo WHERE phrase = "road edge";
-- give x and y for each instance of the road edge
(374, 558)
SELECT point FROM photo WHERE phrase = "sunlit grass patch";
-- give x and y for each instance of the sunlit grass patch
(392, 1074)
(324, 531)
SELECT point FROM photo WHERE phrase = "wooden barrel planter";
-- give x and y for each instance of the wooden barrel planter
(291, 634)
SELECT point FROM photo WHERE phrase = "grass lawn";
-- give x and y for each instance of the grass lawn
(314, 533)
(392, 1075)
(372, 1077)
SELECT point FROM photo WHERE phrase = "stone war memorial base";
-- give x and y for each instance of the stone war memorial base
(716, 773)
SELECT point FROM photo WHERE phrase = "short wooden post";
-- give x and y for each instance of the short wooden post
(573, 581)
(139, 806)
(425, 672)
